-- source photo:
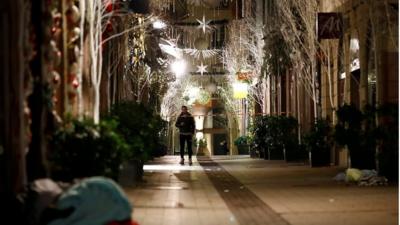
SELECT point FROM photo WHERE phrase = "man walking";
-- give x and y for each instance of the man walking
(186, 126)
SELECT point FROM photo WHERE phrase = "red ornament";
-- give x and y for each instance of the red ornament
(109, 6)
(109, 26)
(55, 100)
(75, 84)
(56, 78)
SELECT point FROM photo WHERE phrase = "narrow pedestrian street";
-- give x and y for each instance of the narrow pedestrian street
(199, 112)
(241, 190)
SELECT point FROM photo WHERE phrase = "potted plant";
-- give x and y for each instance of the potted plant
(356, 131)
(275, 137)
(83, 149)
(142, 129)
(259, 131)
(388, 137)
(243, 145)
(201, 146)
(318, 142)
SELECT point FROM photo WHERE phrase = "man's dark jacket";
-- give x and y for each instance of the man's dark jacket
(185, 123)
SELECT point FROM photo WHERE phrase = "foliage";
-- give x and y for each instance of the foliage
(388, 137)
(319, 141)
(202, 142)
(82, 148)
(358, 131)
(242, 140)
(194, 94)
(360, 142)
(220, 121)
(291, 42)
(244, 47)
(274, 134)
(141, 128)
(277, 55)
(203, 97)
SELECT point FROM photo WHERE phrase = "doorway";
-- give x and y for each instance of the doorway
(220, 144)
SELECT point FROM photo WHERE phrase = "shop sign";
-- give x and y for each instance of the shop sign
(329, 25)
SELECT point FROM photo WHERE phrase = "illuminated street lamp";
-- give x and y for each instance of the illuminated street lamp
(159, 24)
(179, 67)
(240, 90)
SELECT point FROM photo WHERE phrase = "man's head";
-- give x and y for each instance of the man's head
(184, 109)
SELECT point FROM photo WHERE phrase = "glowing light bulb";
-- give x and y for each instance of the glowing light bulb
(179, 67)
(158, 24)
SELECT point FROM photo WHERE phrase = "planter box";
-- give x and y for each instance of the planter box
(131, 173)
(243, 149)
(201, 151)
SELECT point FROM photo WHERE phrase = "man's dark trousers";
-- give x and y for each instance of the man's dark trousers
(188, 139)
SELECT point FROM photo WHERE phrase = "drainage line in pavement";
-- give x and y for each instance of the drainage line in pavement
(247, 208)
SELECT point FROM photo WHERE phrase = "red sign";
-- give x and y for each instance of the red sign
(330, 25)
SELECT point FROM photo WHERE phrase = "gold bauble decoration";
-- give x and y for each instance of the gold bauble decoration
(201, 43)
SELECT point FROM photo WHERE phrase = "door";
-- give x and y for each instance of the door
(220, 144)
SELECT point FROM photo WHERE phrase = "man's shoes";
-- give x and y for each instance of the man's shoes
(182, 161)
(190, 161)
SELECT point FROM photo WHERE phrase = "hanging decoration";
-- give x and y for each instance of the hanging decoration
(170, 47)
(203, 97)
(207, 53)
(55, 55)
(202, 69)
(194, 95)
(203, 24)
(201, 43)
(211, 87)
(72, 15)
(244, 76)
(190, 94)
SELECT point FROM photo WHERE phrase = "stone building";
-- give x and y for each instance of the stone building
(360, 67)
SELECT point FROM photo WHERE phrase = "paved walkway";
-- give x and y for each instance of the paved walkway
(240, 190)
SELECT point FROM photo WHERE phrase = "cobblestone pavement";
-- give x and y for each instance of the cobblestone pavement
(239, 190)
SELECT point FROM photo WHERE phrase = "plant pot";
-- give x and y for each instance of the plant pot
(131, 173)
(275, 154)
(253, 153)
(201, 151)
(320, 157)
(243, 149)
